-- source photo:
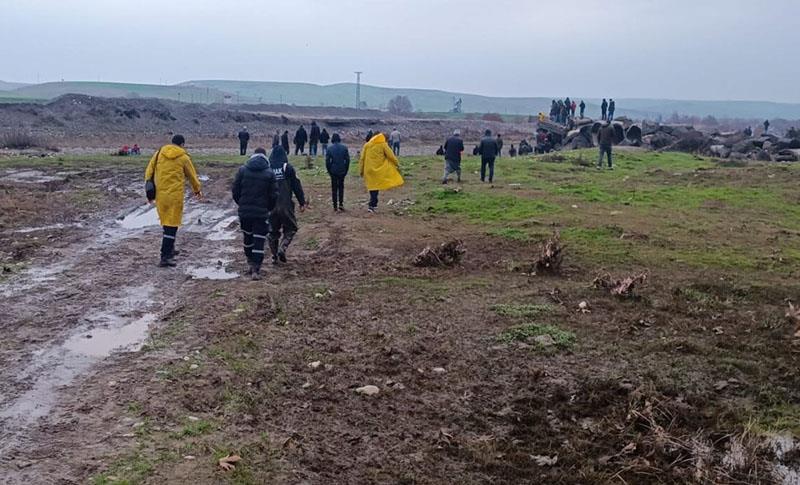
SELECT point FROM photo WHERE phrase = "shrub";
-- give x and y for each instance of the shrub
(492, 117)
(20, 140)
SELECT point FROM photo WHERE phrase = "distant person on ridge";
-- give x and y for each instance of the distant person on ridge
(169, 168)
(255, 192)
(453, 148)
(499, 141)
(379, 168)
(583, 107)
(488, 151)
(244, 137)
(572, 108)
(313, 139)
(276, 139)
(766, 126)
(300, 139)
(604, 109)
(285, 141)
(394, 142)
(324, 139)
(282, 217)
(605, 138)
(612, 106)
(512, 152)
(337, 162)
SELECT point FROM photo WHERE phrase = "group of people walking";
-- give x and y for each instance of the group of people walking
(264, 189)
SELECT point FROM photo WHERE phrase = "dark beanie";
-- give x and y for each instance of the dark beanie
(261, 150)
(178, 140)
(487, 133)
(336, 138)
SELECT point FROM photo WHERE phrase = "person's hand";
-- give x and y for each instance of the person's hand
(303, 208)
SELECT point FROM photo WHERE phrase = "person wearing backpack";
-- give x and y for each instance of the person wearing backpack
(165, 177)
(255, 191)
(282, 218)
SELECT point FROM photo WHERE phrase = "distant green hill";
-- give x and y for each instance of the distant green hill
(424, 100)
(7, 86)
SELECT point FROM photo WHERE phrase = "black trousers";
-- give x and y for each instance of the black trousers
(255, 231)
(299, 148)
(373, 198)
(490, 163)
(242, 148)
(281, 220)
(337, 190)
(168, 241)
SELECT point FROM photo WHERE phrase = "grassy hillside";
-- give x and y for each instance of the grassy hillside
(425, 100)
(8, 86)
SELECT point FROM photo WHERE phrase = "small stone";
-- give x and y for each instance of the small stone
(137, 424)
(112, 383)
(306, 385)
(328, 367)
(192, 418)
(186, 358)
(439, 370)
(188, 457)
(544, 340)
(368, 390)
(315, 364)
(318, 295)
(193, 366)
(718, 330)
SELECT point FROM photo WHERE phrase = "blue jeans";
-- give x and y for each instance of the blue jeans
(396, 148)
(312, 149)
(324, 149)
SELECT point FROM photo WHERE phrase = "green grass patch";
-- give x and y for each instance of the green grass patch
(523, 311)
(482, 207)
(129, 470)
(521, 333)
(510, 233)
(194, 428)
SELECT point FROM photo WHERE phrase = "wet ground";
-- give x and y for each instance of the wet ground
(112, 369)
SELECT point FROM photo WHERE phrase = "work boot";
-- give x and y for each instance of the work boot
(167, 263)
(256, 276)
(282, 256)
(275, 260)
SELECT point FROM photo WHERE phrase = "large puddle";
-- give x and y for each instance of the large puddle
(35, 177)
(122, 325)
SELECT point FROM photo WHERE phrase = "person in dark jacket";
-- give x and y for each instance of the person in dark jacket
(499, 141)
(276, 139)
(488, 151)
(512, 152)
(452, 156)
(313, 139)
(369, 136)
(285, 141)
(337, 162)
(605, 138)
(300, 139)
(282, 217)
(255, 192)
(612, 106)
(244, 137)
(324, 138)
(766, 126)
(582, 106)
(603, 109)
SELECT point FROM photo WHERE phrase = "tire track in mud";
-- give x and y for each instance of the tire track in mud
(97, 298)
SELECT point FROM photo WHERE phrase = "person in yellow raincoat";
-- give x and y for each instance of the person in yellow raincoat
(169, 168)
(379, 167)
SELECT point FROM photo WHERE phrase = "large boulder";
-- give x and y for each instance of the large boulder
(787, 155)
(763, 156)
(691, 142)
(787, 143)
(744, 146)
(720, 151)
(658, 140)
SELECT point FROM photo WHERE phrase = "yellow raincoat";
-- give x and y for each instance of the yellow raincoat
(378, 165)
(171, 169)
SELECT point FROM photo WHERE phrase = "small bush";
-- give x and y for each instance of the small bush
(529, 331)
(523, 311)
(20, 140)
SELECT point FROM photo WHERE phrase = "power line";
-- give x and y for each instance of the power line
(358, 89)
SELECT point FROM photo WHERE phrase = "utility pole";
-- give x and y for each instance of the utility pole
(358, 89)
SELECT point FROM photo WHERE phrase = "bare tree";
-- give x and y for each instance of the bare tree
(400, 105)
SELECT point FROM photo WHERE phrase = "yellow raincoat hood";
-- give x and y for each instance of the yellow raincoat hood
(379, 166)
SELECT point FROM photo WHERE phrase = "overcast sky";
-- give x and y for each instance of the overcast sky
(686, 49)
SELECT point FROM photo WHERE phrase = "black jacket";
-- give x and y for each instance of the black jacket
(453, 148)
(244, 136)
(488, 149)
(287, 180)
(300, 137)
(499, 142)
(314, 135)
(254, 188)
(285, 142)
(324, 137)
(337, 159)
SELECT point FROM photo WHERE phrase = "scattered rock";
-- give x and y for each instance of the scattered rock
(438, 370)
(368, 390)
(543, 460)
(314, 365)
(583, 307)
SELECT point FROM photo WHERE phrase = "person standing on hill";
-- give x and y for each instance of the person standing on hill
(337, 162)
(276, 139)
(604, 109)
(766, 126)
(168, 169)
(605, 138)
(255, 192)
(379, 168)
(499, 141)
(285, 141)
(313, 139)
(324, 138)
(453, 148)
(282, 217)
(573, 107)
(244, 137)
(300, 139)
(394, 142)
(583, 107)
(488, 151)
(612, 106)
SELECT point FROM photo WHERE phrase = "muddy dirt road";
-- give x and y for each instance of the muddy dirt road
(115, 371)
